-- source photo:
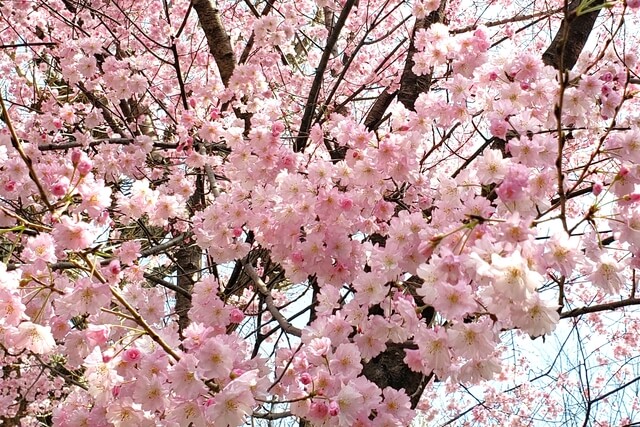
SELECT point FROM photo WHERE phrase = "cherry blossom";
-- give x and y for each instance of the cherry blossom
(340, 213)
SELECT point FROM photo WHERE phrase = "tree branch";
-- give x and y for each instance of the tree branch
(412, 85)
(564, 50)
(268, 299)
(600, 307)
(312, 99)
(217, 38)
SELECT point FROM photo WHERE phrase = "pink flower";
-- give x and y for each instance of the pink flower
(33, 337)
(475, 371)
(346, 361)
(187, 413)
(73, 235)
(514, 185)
(499, 128)
(396, 404)
(492, 167)
(434, 347)
(453, 301)
(88, 296)
(185, 380)
(350, 402)
(132, 355)
(234, 402)
(150, 393)
(538, 318)
(216, 359)
(128, 252)
(97, 335)
(40, 250)
(607, 274)
(473, 340)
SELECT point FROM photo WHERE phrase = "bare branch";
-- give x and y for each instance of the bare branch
(312, 99)
(600, 307)
(268, 299)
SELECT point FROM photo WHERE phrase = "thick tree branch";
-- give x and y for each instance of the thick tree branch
(217, 38)
(268, 299)
(564, 50)
(374, 118)
(312, 99)
(412, 85)
(600, 307)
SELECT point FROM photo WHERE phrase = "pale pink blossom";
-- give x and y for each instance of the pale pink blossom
(33, 337)
(73, 234)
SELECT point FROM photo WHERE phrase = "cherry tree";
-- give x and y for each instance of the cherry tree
(319, 213)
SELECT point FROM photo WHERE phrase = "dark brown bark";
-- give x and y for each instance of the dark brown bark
(374, 118)
(412, 85)
(217, 38)
(564, 50)
(312, 99)
(188, 260)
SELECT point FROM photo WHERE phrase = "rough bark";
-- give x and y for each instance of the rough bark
(217, 38)
(188, 260)
(412, 85)
(374, 118)
(312, 99)
(564, 50)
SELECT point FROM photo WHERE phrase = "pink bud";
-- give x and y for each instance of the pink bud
(631, 198)
(192, 102)
(623, 172)
(84, 167)
(493, 76)
(318, 410)
(236, 373)
(597, 188)
(346, 203)
(59, 189)
(277, 128)
(305, 378)
(334, 409)
(297, 257)
(606, 77)
(114, 267)
(131, 355)
(287, 161)
(75, 157)
(236, 315)
(115, 392)
(215, 114)
(237, 232)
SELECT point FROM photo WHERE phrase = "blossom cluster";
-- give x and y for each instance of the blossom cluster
(173, 255)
